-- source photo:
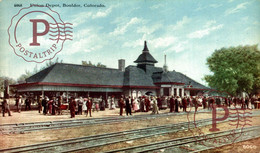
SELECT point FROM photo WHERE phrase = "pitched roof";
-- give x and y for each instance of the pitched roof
(78, 74)
(135, 76)
(170, 77)
(145, 56)
(176, 77)
(190, 82)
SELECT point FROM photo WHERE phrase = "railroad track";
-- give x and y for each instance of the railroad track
(193, 144)
(35, 126)
(88, 142)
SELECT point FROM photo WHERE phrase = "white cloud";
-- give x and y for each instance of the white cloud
(201, 33)
(156, 6)
(84, 16)
(122, 28)
(215, 5)
(135, 43)
(87, 44)
(209, 23)
(238, 8)
(87, 40)
(149, 29)
(80, 18)
(164, 41)
(178, 46)
(102, 13)
(179, 25)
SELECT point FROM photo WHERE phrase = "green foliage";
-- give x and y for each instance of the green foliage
(51, 62)
(85, 63)
(236, 69)
(27, 73)
(24, 76)
(10, 81)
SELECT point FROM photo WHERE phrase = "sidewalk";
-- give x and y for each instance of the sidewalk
(34, 116)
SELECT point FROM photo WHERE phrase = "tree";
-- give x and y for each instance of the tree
(50, 63)
(85, 63)
(27, 73)
(235, 70)
(24, 76)
(9, 80)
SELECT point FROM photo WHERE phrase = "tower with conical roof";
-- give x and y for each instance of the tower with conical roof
(145, 59)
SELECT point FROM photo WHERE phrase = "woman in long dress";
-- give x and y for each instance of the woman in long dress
(50, 106)
(113, 105)
(135, 105)
(155, 107)
(84, 106)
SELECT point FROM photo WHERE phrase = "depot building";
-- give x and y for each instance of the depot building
(78, 80)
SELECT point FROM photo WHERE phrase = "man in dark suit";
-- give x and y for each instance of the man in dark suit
(128, 106)
(121, 105)
(89, 106)
(176, 105)
(171, 104)
(5, 107)
(72, 106)
(184, 104)
(44, 104)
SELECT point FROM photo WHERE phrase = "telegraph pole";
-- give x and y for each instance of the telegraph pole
(6, 89)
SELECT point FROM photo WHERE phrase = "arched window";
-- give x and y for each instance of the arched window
(134, 94)
(139, 94)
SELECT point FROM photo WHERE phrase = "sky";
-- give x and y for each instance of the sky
(187, 31)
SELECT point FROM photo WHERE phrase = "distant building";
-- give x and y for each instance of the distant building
(135, 81)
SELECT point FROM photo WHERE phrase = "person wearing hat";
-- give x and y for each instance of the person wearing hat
(184, 104)
(176, 104)
(50, 103)
(39, 102)
(113, 105)
(84, 106)
(59, 105)
(142, 99)
(19, 104)
(128, 106)
(89, 106)
(121, 105)
(155, 107)
(80, 103)
(147, 104)
(72, 107)
(171, 104)
(44, 104)
(5, 106)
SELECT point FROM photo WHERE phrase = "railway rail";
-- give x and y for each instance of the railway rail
(193, 144)
(35, 126)
(88, 142)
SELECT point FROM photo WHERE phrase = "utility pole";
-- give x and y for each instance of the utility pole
(6, 89)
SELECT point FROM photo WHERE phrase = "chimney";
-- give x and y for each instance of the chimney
(165, 67)
(121, 65)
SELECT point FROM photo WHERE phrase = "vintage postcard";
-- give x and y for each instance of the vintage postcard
(130, 76)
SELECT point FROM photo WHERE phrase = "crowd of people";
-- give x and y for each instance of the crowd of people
(87, 105)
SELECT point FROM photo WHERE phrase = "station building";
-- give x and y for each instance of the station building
(144, 78)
